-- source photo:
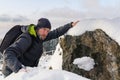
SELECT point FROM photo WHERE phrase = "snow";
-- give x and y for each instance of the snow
(54, 61)
(44, 60)
(56, 64)
(1, 76)
(42, 74)
(110, 26)
(85, 63)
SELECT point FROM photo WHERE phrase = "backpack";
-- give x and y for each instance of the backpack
(10, 37)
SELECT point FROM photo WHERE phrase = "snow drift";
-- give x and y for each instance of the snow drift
(42, 74)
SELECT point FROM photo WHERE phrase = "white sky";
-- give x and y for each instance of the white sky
(59, 12)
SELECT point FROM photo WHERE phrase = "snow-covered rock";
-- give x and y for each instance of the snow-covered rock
(97, 45)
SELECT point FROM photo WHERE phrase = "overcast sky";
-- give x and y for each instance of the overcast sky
(59, 12)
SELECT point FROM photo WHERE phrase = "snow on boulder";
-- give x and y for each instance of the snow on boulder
(85, 63)
(54, 61)
(42, 74)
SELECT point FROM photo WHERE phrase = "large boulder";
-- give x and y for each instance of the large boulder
(96, 44)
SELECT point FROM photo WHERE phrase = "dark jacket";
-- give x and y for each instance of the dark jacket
(27, 50)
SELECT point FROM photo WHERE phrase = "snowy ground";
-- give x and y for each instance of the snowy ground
(42, 74)
(1, 76)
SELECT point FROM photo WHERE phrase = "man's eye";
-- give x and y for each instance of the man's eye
(48, 31)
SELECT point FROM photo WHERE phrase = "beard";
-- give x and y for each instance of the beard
(43, 37)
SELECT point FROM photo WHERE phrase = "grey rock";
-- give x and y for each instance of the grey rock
(96, 44)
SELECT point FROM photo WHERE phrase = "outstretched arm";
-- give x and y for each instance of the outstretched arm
(60, 31)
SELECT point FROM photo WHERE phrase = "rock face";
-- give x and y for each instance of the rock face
(98, 45)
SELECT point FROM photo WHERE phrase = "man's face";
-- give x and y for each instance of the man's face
(43, 32)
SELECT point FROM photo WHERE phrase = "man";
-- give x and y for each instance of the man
(28, 48)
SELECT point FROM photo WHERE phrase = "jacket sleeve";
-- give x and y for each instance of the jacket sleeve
(58, 32)
(15, 50)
